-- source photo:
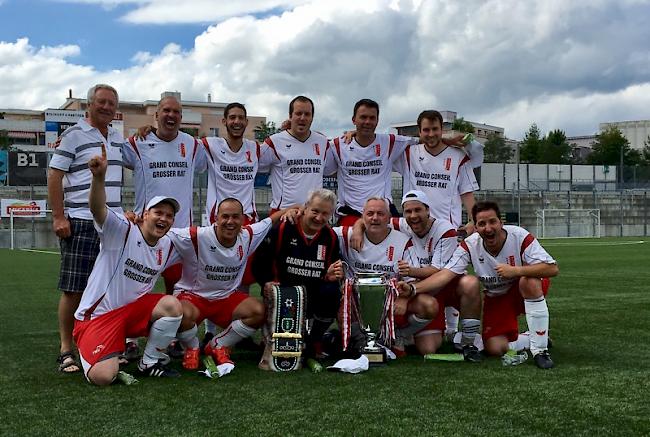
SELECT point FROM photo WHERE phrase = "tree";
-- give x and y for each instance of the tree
(461, 125)
(529, 152)
(264, 130)
(496, 149)
(554, 149)
(607, 149)
(4, 140)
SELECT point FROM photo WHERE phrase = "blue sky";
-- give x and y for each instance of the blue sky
(560, 64)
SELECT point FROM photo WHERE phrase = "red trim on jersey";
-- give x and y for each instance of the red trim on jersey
(169, 254)
(463, 161)
(89, 312)
(258, 150)
(408, 244)
(213, 211)
(527, 242)
(250, 235)
(391, 144)
(337, 146)
(204, 140)
(135, 148)
(346, 230)
(302, 234)
(196, 147)
(395, 222)
(195, 240)
(333, 239)
(272, 146)
(464, 246)
(450, 233)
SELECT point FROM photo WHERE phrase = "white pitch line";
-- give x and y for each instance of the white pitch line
(40, 251)
(600, 243)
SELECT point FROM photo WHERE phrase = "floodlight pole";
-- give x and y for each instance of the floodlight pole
(11, 226)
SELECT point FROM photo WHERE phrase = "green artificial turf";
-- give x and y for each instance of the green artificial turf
(599, 308)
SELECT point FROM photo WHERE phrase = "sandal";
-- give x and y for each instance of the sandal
(68, 363)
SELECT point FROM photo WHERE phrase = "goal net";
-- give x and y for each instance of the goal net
(568, 223)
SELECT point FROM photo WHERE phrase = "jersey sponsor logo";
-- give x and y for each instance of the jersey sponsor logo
(98, 349)
(320, 254)
(448, 164)
(159, 256)
(213, 248)
(481, 259)
(390, 252)
(151, 145)
(139, 243)
(293, 242)
(540, 332)
(223, 152)
(317, 149)
(288, 146)
(421, 158)
(377, 150)
(182, 149)
(511, 260)
(248, 156)
(240, 251)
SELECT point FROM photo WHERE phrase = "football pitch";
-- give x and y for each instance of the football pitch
(600, 325)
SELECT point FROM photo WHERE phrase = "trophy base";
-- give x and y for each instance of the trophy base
(376, 356)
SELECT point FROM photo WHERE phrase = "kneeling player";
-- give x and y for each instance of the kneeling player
(510, 264)
(117, 301)
(214, 258)
(307, 253)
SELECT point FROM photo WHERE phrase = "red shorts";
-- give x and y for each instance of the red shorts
(172, 275)
(500, 313)
(218, 311)
(103, 337)
(447, 297)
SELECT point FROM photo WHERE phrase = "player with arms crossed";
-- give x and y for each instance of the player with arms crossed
(510, 264)
(117, 301)
(213, 265)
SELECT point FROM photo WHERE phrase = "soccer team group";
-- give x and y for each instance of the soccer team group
(111, 259)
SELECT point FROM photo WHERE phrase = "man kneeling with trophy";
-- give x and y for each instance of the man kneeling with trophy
(299, 267)
(372, 294)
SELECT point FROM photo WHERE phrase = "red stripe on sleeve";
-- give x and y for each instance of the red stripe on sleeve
(204, 140)
(450, 233)
(527, 242)
(391, 144)
(337, 146)
(195, 240)
(135, 148)
(272, 146)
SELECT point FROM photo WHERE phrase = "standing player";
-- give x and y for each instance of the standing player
(213, 265)
(445, 174)
(382, 251)
(297, 158)
(306, 253)
(364, 166)
(510, 264)
(117, 301)
(68, 186)
(232, 164)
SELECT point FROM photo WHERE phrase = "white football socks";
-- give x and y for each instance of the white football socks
(537, 318)
(233, 334)
(188, 338)
(162, 332)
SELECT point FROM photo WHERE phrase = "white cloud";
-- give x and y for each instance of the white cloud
(560, 64)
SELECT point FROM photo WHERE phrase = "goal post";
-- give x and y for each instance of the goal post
(568, 223)
(27, 232)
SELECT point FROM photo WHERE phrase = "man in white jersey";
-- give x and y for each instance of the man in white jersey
(512, 267)
(163, 163)
(446, 175)
(434, 242)
(364, 165)
(214, 258)
(68, 187)
(117, 301)
(383, 249)
(232, 164)
(297, 158)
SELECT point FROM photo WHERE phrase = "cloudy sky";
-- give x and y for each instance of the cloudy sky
(562, 64)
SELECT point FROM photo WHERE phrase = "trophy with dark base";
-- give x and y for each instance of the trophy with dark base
(370, 288)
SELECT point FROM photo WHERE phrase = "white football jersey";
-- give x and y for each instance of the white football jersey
(520, 248)
(210, 269)
(436, 247)
(231, 174)
(363, 172)
(443, 178)
(164, 168)
(380, 258)
(296, 167)
(79, 144)
(127, 267)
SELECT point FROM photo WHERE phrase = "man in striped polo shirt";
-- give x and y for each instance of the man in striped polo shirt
(68, 188)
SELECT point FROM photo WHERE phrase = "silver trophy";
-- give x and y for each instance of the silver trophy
(370, 289)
